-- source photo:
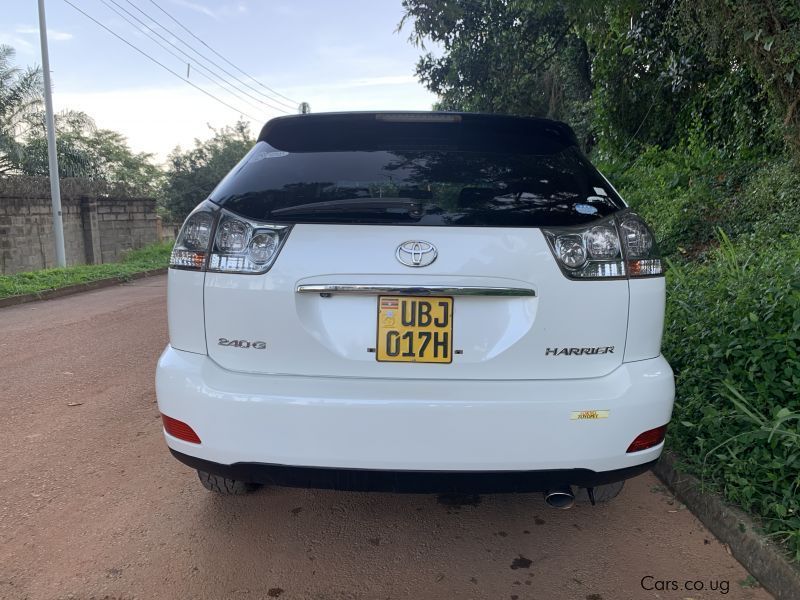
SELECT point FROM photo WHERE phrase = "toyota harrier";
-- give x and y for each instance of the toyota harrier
(416, 301)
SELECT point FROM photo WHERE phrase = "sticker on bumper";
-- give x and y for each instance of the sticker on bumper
(580, 415)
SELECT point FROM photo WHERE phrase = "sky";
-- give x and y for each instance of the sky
(333, 54)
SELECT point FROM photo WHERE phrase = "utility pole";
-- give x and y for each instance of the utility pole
(55, 187)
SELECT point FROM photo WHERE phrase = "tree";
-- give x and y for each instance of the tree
(657, 82)
(86, 151)
(516, 57)
(764, 37)
(193, 174)
(20, 98)
(630, 73)
(82, 149)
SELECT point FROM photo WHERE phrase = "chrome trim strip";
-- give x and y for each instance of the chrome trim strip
(411, 290)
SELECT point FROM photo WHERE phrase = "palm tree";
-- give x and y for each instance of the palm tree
(20, 102)
(23, 139)
(83, 149)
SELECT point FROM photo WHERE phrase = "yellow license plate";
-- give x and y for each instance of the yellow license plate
(415, 329)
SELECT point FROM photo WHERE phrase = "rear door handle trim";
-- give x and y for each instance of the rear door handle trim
(413, 290)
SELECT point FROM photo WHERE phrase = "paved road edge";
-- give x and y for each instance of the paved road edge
(77, 288)
(761, 557)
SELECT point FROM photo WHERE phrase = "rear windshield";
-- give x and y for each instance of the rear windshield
(425, 186)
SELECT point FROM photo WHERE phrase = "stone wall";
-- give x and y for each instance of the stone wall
(100, 223)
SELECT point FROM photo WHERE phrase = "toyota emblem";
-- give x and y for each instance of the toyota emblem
(416, 253)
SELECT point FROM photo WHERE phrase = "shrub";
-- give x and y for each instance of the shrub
(687, 193)
(667, 188)
(732, 336)
(768, 202)
(729, 228)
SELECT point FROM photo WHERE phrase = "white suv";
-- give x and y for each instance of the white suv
(415, 301)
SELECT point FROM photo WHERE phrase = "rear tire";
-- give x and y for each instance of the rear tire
(602, 493)
(223, 485)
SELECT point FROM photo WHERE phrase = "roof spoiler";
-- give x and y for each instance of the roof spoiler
(378, 130)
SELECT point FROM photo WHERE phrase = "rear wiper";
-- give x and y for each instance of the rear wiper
(352, 205)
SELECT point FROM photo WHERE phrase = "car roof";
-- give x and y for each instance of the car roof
(346, 130)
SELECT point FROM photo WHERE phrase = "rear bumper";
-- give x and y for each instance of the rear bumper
(417, 482)
(257, 424)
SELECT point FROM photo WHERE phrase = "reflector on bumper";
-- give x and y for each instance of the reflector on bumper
(179, 429)
(648, 439)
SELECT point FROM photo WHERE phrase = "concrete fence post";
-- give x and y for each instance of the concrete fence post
(91, 231)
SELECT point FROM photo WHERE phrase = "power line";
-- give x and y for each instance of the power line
(160, 64)
(147, 31)
(154, 3)
(216, 64)
(132, 24)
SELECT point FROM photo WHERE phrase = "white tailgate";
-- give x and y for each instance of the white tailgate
(493, 337)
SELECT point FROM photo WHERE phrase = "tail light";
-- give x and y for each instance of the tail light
(641, 256)
(617, 247)
(217, 240)
(244, 246)
(191, 247)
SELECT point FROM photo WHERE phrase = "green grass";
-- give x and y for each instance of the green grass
(136, 261)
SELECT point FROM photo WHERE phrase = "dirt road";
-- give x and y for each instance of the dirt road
(93, 506)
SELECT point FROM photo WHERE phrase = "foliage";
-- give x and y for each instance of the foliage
(729, 227)
(151, 257)
(674, 190)
(658, 82)
(82, 149)
(193, 174)
(737, 413)
(85, 151)
(19, 99)
(764, 37)
(629, 74)
(516, 57)
(769, 202)
(690, 192)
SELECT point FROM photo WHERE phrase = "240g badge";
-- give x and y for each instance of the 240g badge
(242, 344)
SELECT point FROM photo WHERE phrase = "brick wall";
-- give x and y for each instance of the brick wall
(100, 223)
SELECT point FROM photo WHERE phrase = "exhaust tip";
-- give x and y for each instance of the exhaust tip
(562, 498)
